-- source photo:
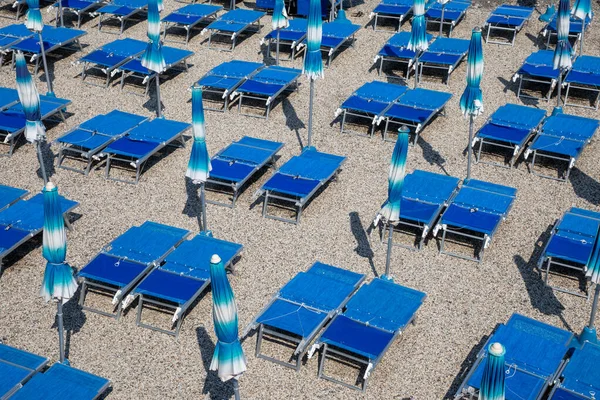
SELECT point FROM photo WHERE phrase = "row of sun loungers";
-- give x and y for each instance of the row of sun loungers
(25, 376)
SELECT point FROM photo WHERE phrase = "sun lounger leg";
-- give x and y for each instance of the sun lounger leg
(265, 204)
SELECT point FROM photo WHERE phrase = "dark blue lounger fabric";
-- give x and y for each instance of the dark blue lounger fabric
(575, 236)
(191, 13)
(228, 75)
(9, 194)
(539, 64)
(241, 159)
(296, 30)
(582, 375)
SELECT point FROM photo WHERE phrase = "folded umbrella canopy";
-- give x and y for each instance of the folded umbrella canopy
(492, 381)
(418, 32)
(563, 50)
(199, 165)
(582, 9)
(593, 274)
(34, 22)
(153, 57)
(279, 21)
(313, 63)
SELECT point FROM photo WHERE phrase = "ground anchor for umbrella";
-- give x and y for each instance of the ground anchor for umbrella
(589, 332)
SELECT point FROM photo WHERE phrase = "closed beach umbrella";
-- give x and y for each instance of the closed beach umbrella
(390, 212)
(199, 164)
(593, 274)
(228, 359)
(443, 3)
(153, 58)
(280, 21)
(563, 50)
(418, 32)
(34, 22)
(471, 101)
(58, 283)
(35, 132)
(492, 381)
(582, 9)
(313, 63)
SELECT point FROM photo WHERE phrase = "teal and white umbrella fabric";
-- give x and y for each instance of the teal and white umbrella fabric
(279, 21)
(58, 282)
(313, 63)
(35, 23)
(593, 274)
(563, 50)
(228, 359)
(471, 101)
(30, 100)
(582, 9)
(153, 57)
(492, 381)
(418, 31)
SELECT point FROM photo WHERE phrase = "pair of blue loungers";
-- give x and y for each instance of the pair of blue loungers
(120, 10)
(559, 137)
(21, 220)
(157, 265)
(21, 378)
(238, 80)
(361, 322)
(189, 17)
(121, 137)
(232, 24)
(124, 55)
(506, 19)
(443, 54)
(12, 115)
(399, 10)
(396, 105)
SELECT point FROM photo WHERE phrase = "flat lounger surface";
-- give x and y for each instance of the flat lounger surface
(336, 33)
(423, 195)
(539, 64)
(575, 25)
(393, 7)
(8, 97)
(453, 10)
(269, 81)
(115, 53)
(574, 237)
(564, 134)
(16, 366)
(445, 51)
(295, 32)
(373, 97)
(418, 105)
(9, 195)
(585, 71)
(229, 75)
(172, 55)
(191, 14)
(512, 123)
(236, 20)
(16, 31)
(510, 16)
(581, 376)
(397, 46)
(123, 8)
(53, 37)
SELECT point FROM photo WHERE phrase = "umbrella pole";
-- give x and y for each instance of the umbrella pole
(559, 87)
(469, 149)
(442, 20)
(582, 36)
(158, 108)
(277, 51)
(48, 82)
(61, 342)
(310, 110)
(594, 307)
(203, 205)
(388, 257)
(60, 13)
(41, 159)
(236, 389)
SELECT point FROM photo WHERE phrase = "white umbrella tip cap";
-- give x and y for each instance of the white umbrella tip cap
(215, 259)
(50, 186)
(496, 349)
(477, 29)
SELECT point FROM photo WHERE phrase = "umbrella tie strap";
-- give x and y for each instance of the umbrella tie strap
(312, 350)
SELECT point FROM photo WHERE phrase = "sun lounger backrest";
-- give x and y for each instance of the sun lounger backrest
(111, 124)
(449, 46)
(16, 30)
(338, 30)
(517, 116)
(428, 186)
(380, 91)
(21, 358)
(157, 131)
(124, 47)
(580, 224)
(589, 64)
(570, 126)
(235, 69)
(316, 291)
(582, 374)
(312, 164)
(485, 196)
(196, 253)
(335, 273)
(424, 99)
(276, 74)
(131, 3)
(541, 58)
(24, 215)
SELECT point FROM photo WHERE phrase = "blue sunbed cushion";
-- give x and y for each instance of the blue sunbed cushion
(170, 286)
(465, 217)
(558, 145)
(52, 36)
(429, 187)
(119, 49)
(79, 5)
(392, 9)
(228, 75)
(486, 196)
(453, 10)
(293, 318)
(260, 143)
(135, 149)
(246, 154)
(192, 13)
(581, 375)
(417, 105)
(25, 215)
(316, 291)
(9, 194)
(112, 270)
(172, 56)
(294, 32)
(540, 64)
(270, 81)
(230, 170)
(575, 25)
(518, 116)
(22, 358)
(292, 185)
(312, 164)
(8, 96)
(429, 56)
(578, 251)
(337, 30)
(449, 46)
(11, 236)
(16, 30)
(235, 20)
(574, 237)
(380, 91)
(570, 126)
(336, 273)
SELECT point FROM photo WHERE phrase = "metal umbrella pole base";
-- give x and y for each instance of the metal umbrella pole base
(589, 332)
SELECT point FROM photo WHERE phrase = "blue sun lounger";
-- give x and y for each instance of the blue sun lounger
(225, 78)
(575, 28)
(173, 57)
(119, 267)
(370, 102)
(571, 244)
(580, 378)
(63, 382)
(372, 320)
(301, 308)
(10, 195)
(185, 274)
(234, 165)
(121, 10)
(584, 76)
(108, 58)
(506, 18)
(25, 219)
(396, 51)
(298, 180)
(188, 17)
(8, 97)
(415, 108)
(510, 127)
(562, 137)
(538, 69)
(17, 367)
(266, 85)
(535, 353)
(232, 24)
(424, 196)
(443, 54)
(54, 38)
(475, 215)
(90, 137)
(77, 7)
(454, 12)
(141, 143)
(396, 10)
(9, 39)
(294, 34)
(13, 121)
(335, 35)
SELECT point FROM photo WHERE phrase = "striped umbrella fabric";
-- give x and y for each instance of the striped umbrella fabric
(30, 99)
(313, 63)
(199, 164)
(582, 9)
(280, 17)
(391, 208)
(593, 274)
(58, 276)
(33, 20)
(492, 381)
(548, 14)
(593, 268)
(563, 50)
(471, 101)
(228, 359)
(418, 32)
(161, 5)
(153, 58)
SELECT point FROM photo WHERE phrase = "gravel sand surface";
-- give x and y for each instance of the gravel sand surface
(465, 300)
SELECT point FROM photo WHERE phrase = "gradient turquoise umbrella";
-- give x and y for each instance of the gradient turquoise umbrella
(548, 14)
(492, 381)
(443, 3)
(471, 101)
(593, 274)
(199, 164)
(563, 50)
(35, 132)
(390, 212)
(59, 282)
(279, 21)
(228, 359)
(582, 9)
(153, 58)
(313, 63)
(34, 22)
(418, 32)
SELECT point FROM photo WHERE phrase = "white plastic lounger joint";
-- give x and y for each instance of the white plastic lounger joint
(425, 230)
(474, 142)
(128, 300)
(98, 156)
(133, 164)
(269, 99)
(516, 151)
(233, 94)
(312, 350)
(176, 315)
(338, 112)
(437, 228)
(114, 72)
(233, 35)
(515, 77)
(376, 220)
(225, 93)
(376, 59)
(544, 32)
(257, 194)
(368, 371)
(527, 153)
(372, 15)
(203, 31)
(262, 41)
(330, 52)
(377, 120)
(486, 241)
(117, 298)
(450, 68)
(7, 138)
(571, 163)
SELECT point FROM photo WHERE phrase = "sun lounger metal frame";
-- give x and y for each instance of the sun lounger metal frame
(170, 20)
(576, 82)
(32, 366)
(449, 68)
(291, 36)
(507, 22)
(233, 35)
(78, 10)
(108, 15)
(542, 80)
(575, 28)
(398, 43)
(391, 14)
(329, 34)
(448, 9)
